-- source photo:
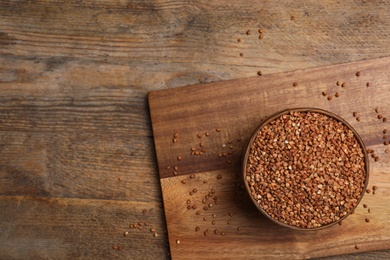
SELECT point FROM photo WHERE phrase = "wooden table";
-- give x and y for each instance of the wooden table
(77, 165)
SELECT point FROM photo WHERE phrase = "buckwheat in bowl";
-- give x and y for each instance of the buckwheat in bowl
(305, 168)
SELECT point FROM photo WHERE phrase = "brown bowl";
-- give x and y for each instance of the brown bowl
(247, 157)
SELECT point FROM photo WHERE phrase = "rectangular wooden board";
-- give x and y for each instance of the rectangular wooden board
(200, 133)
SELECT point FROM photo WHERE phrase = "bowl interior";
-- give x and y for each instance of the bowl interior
(314, 110)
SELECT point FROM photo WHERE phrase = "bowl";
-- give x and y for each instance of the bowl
(305, 168)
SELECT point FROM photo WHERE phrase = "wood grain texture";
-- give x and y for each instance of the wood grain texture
(236, 108)
(72, 228)
(74, 78)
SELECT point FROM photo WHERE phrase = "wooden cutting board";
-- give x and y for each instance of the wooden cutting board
(200, 133)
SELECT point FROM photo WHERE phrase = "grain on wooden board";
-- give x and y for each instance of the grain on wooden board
(222, 152)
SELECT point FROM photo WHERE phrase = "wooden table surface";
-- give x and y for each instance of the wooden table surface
(77, 160)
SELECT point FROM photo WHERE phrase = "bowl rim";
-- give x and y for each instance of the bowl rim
(303, 109)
